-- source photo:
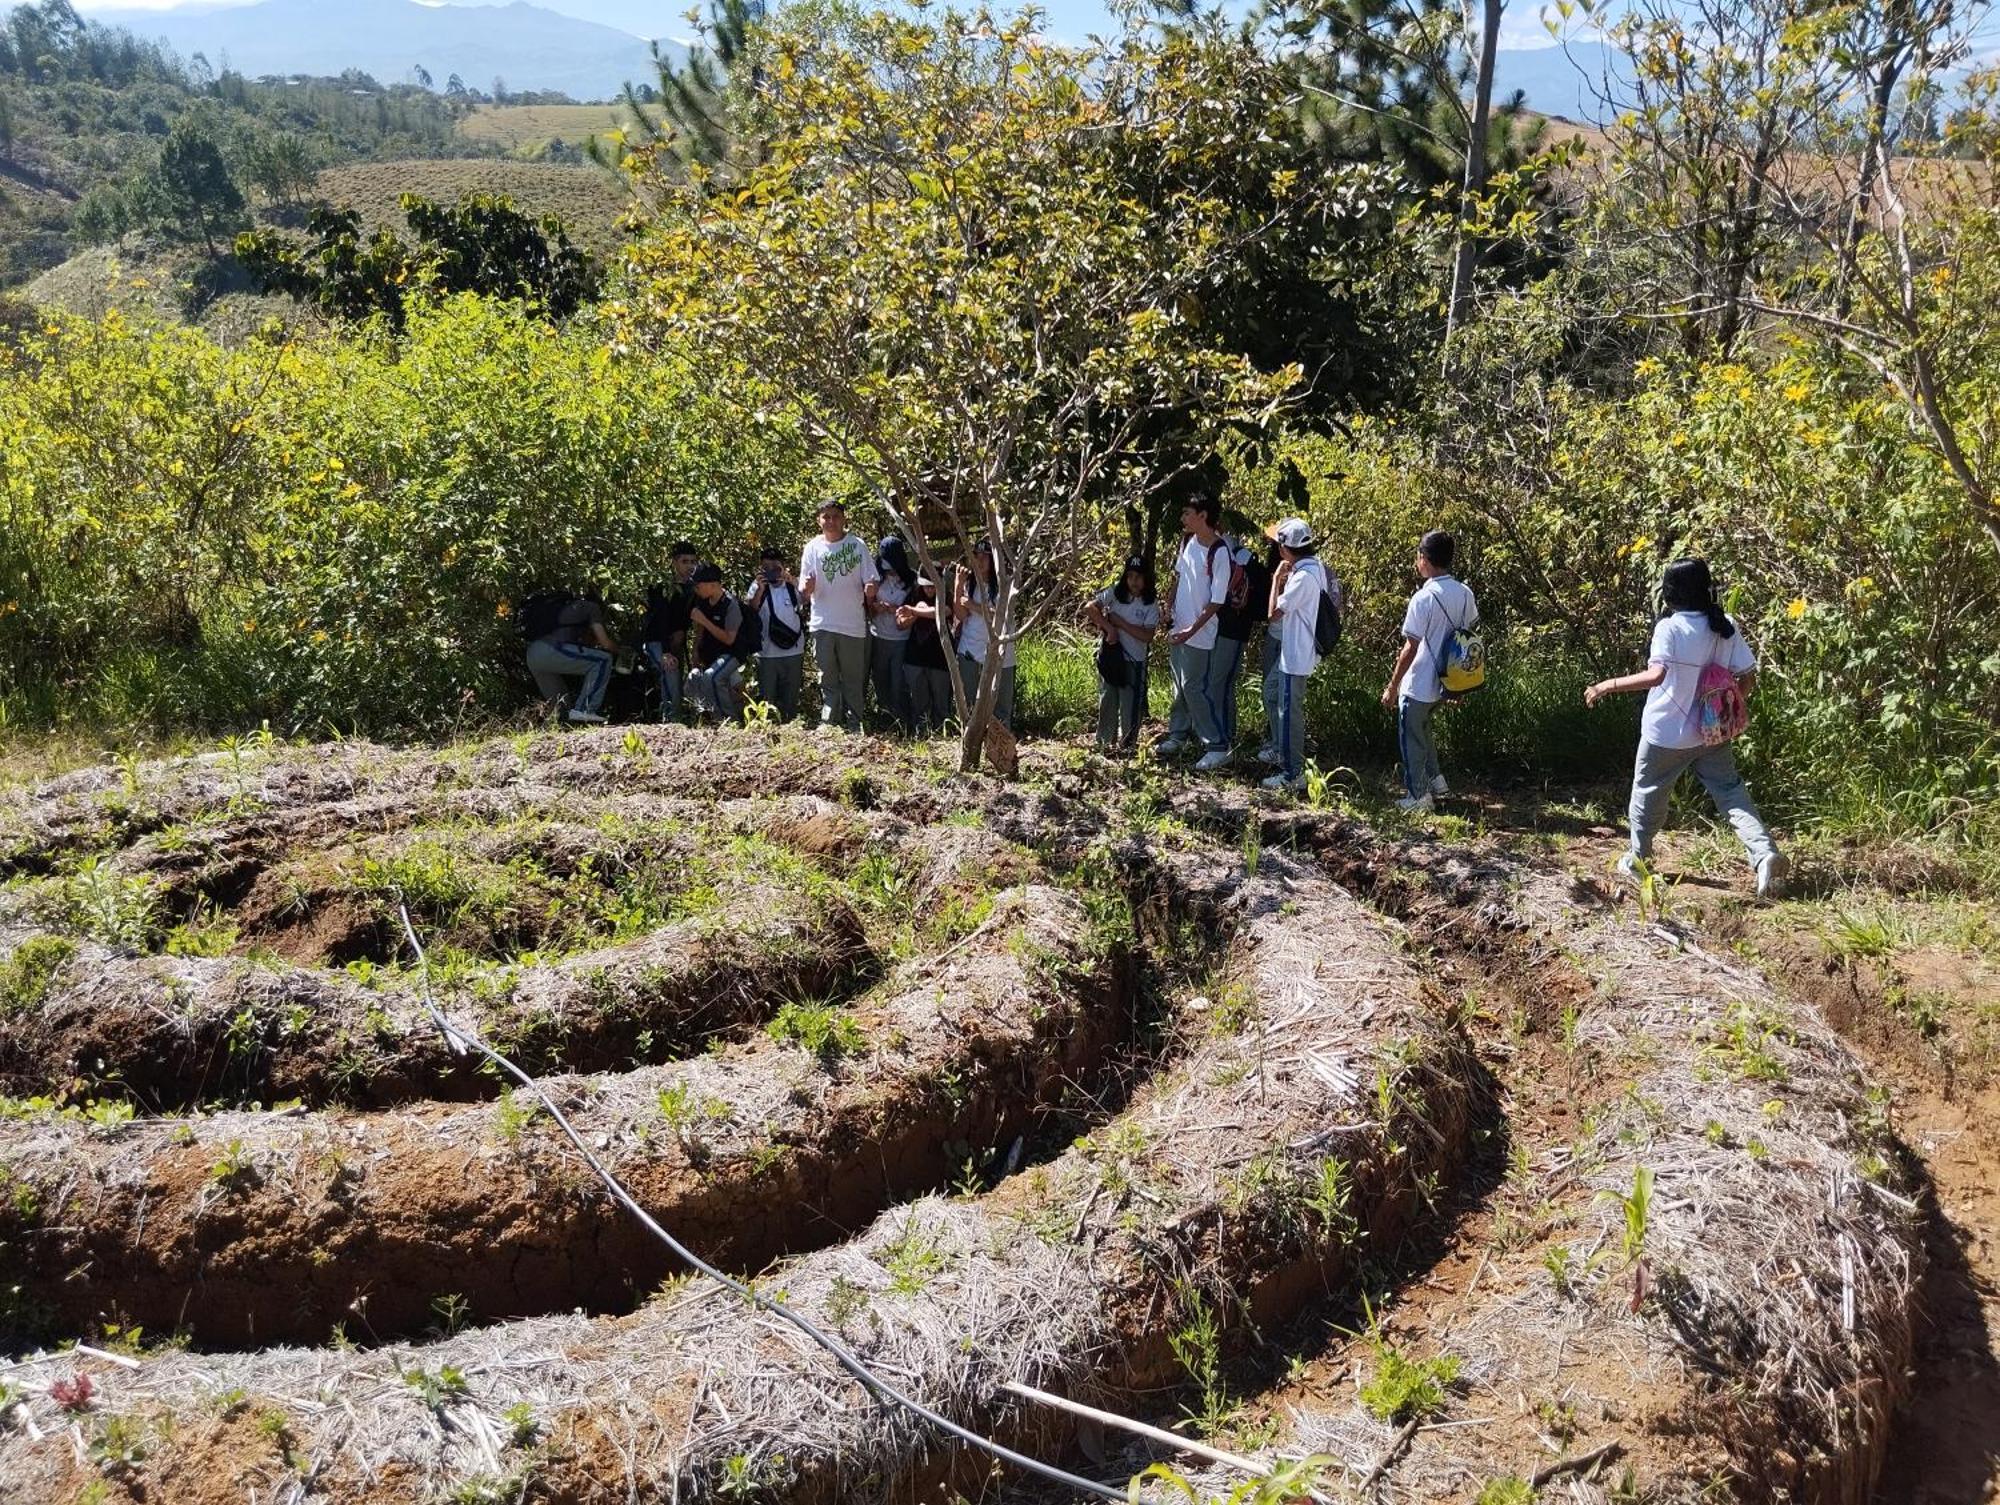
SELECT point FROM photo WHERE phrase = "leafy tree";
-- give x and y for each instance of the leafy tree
(483, 245)
(938, 269)
(282, 166)
(691, 110)
(195, 186)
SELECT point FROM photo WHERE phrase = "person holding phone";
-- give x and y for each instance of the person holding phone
(773, 598)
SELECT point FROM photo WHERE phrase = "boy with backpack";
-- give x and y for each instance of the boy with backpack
(723, 638)
(1242, 612)
(774, 602)
(1305, 623)
(566, 641)
(1436, 635)
(1698, 675)
(1201, 587)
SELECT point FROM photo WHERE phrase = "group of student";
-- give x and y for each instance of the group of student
(878, 626)
(872, 620)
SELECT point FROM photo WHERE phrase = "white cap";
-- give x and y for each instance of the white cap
(1292, 533)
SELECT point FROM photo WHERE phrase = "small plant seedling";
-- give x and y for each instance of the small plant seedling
(522, 1424)
(1636, 1205)
(1197, 1346)
(1508, 1489)
(1403, 1388)
(236, 1166)
(819, 1029)
(452, 1312)
(511, 1116)
(448, 1384)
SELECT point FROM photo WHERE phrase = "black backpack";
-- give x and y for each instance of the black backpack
(749, 631)
(1327, 624)
(541, 613)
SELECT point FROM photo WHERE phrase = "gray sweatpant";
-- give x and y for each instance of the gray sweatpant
(779, 678)
(843, 678)
(969, 671)
(1290, 728)
(1120, 708)
(1197, 696)
(885, 668)
(1417, 742)
(554, 665)
(1658, 769)
(718, 689)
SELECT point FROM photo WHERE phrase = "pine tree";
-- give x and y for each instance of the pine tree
(692, 116)
(195, 183)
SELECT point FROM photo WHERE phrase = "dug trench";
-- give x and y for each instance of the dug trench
(1308, 1124)
(239, 1229)
(754, 917)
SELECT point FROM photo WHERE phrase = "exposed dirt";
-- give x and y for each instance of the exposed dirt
(1429, 1081)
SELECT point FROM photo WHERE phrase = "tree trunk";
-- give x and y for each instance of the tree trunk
(1864, 188)
(1465, 254)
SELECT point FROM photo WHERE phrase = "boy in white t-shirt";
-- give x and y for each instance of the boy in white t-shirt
(1201, 587)
(837, 575)
(1442, 605)
(1298, 586)
(1694, 633)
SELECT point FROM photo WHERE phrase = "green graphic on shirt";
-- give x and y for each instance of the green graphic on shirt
(843, 560)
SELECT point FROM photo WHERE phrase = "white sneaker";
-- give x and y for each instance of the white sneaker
(1278, 781)
(1439, 788)
(1771, 874)
(1168, 747)
(1269, 756)
(1211, 761)
(1628, 865)
(585, 718)
(1412, 804)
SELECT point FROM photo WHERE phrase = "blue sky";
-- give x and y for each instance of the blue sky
(1067, 18)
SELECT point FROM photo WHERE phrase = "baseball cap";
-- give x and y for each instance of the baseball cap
(1291, 533)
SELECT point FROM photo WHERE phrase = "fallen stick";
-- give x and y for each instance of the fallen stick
(1396, 1445)
(1125, 1424)
(1577, 1464)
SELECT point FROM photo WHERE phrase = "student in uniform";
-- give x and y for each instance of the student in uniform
(1441, 606)
(773, 598)
(837, 575)
(926, 667)
(889, 640)
(1298, 587)
(1201, 586)
(1126, 616)
(1693, 633)
(663, 635)
(715, 624)
(974, 610)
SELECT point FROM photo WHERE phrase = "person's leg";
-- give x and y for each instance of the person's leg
(669, 676)
(1109, 697)
(791, 684)
(1199, 691)
(943, 707)
(826, 655)
(1716, 768)
(917, 695)
(1180, 716)
(696, 685)
(892, 691)
(552, 674)
(728, 681)
(1003, 697)
(1294, 748)
(1274, 692)
(1655, 771)
(1226, 665)
(594, 666)
(767, 682)
(1413, 737)
(1130, 701)
(854, 664)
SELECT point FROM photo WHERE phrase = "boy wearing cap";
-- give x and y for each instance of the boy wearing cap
(1201, 586)
(773, 598)
(714, 620)
(1442, 605)
(1298, 590)
(837, 575)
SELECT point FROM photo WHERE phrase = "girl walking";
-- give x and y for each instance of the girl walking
(1678, 731)
(1126, 616)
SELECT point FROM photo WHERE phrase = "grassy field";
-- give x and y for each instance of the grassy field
(588, 201)
(516, 126)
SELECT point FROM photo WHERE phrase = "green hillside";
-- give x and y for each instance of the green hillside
(85, 112)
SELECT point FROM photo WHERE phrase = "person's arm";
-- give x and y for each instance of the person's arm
(604, 639)
(754, 597)
(1279, 576)
(1403, 661)
(1143, 632)
(1626, 684)
(724, 635)
(808, 581)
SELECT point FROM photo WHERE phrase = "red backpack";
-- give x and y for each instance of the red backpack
(1720, 712)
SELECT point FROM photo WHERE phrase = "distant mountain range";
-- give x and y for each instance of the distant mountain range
(532, 47)
(527, 46)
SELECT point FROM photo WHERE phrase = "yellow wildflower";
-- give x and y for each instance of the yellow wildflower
(1797, 608)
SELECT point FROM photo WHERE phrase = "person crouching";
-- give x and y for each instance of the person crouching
(714, 624)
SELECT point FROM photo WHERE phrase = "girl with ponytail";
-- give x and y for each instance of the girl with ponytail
(1692, 633)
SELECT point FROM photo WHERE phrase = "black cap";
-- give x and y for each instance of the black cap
(705, 573)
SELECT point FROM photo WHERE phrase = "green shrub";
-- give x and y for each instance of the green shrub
(30, 970)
